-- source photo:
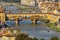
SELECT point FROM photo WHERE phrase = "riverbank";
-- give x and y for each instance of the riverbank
(53, 27)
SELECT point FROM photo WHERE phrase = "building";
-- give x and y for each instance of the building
(9, 33)
(25, 2)
(28, 2)
(48, 6)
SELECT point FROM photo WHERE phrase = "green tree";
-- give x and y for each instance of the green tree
(54, 38)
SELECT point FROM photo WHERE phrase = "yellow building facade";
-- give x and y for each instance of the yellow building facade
(8, 38)
(9, 33)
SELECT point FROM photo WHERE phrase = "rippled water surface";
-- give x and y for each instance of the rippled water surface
(39, 30)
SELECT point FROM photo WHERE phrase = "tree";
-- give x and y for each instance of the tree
(54, 38)
(41, 39)
(21, 37)
(35, 38)
(24, 37)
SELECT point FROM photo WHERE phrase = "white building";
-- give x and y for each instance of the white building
(28, 2)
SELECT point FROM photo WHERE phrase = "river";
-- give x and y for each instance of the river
(38, 30)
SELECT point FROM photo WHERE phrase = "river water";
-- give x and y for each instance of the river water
(38, 30)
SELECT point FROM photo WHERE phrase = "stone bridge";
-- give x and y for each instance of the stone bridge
(31, 16)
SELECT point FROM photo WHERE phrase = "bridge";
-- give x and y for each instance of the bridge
(34, 17)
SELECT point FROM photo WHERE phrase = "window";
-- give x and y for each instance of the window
(58, 10)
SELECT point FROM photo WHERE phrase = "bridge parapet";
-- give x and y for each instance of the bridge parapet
(49, 16)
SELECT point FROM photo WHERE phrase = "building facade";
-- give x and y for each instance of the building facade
(9, 33)
(48, 6)
(28, 2)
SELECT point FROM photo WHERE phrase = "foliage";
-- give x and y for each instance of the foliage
(35, 39)
(53, 27)
(24, 37)
(21, 37)
(50, 24)
(54, 38)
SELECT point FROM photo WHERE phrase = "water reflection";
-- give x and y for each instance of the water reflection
(39, 30)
